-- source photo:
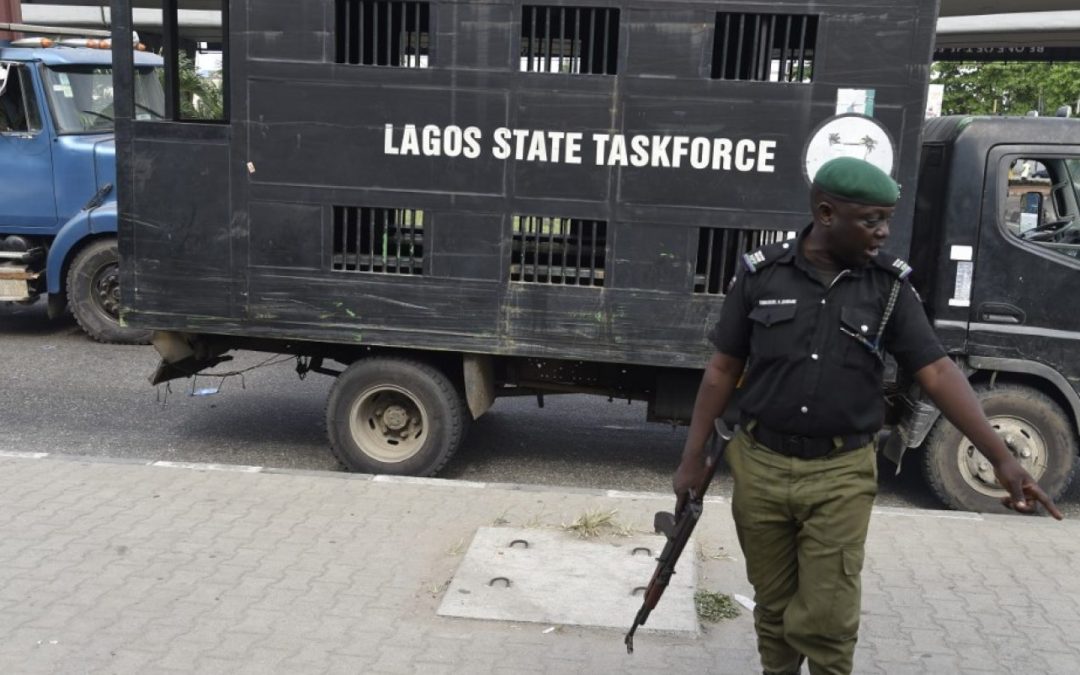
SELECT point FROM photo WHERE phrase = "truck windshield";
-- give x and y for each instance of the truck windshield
(82, 97)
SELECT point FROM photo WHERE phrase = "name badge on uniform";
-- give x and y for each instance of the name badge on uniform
(770, 302)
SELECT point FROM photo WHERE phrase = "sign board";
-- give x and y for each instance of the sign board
(1024, 53)
(935, 97)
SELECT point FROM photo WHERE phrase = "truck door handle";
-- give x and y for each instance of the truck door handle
(1001, 313)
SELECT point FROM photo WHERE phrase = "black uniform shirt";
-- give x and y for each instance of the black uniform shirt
(812, 368)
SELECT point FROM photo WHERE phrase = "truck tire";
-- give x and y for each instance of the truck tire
(395, 416)
(93, 287)
(1035, 428)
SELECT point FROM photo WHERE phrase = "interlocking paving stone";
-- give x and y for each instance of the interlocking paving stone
(119, 567)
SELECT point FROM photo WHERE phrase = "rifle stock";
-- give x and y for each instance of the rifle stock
(677, 528)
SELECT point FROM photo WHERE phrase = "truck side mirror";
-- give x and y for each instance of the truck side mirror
(1031, 208)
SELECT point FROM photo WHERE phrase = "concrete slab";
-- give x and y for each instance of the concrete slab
(550, 576)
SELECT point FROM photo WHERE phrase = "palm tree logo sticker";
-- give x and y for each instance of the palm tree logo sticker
(866, 142)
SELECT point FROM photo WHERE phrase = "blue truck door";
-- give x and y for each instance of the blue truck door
(27, 198)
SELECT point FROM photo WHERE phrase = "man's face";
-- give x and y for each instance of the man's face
(857, 232)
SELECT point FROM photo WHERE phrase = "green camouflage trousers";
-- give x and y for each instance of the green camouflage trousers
(802, 528)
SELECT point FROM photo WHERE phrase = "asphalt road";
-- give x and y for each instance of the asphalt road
(62, 393)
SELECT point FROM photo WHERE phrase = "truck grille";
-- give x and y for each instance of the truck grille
(378, 240)
(571, 40)
(382, 33)
(764, 47)
(564, 251)
(719, 250)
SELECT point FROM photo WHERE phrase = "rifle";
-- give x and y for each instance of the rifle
(677, 528)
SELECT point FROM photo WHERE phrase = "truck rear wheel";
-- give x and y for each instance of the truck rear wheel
(1036, 430)
(395, 416)
(93, 287)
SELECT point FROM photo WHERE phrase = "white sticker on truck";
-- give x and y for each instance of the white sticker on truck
(859, 101)
(962, 290)
(961, 252)
(850, 135)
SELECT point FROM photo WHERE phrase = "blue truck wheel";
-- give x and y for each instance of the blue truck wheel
(94, 295)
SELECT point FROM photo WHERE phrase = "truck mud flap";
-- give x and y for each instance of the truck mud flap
(183, 356)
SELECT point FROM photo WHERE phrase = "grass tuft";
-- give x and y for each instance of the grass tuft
(594, 523)
(715, 607)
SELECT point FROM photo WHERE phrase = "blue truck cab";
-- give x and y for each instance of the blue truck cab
(58, 176)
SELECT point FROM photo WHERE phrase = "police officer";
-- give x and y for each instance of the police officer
(810, 320)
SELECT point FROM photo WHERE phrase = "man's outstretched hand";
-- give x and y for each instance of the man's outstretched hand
(1025, 495)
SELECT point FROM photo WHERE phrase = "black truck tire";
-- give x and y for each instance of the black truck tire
(1038, 432)
(395, 416)
(93, 288)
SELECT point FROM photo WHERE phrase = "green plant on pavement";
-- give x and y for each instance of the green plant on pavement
(715, 606)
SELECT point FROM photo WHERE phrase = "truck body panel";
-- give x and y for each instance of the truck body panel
(430, 195)
(88, 162)
(481, 254)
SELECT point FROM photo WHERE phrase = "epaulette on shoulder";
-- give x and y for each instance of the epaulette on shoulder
(893, 265)
(766, 255)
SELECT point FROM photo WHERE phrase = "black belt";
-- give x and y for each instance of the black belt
(805, 447)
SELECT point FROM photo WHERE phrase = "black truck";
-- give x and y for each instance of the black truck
(443, 202)
(996, 249)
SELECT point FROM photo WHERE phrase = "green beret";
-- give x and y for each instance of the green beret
(855, 180)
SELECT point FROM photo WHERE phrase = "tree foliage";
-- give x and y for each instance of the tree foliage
(997, 88)
(201, 98)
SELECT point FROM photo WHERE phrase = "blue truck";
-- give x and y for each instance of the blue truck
(58, 175)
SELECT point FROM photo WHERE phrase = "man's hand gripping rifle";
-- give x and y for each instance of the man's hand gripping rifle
(677, 528)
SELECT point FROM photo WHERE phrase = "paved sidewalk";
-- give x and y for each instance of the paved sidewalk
(130, 568)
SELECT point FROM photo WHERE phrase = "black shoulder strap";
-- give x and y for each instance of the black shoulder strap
(900, 270)
(766, 255)
(893, 265)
